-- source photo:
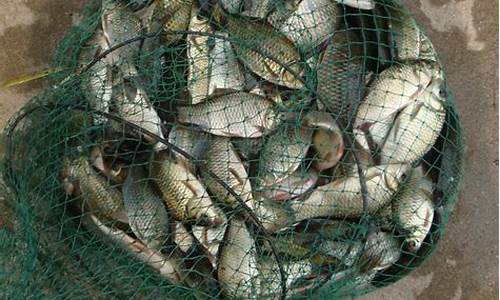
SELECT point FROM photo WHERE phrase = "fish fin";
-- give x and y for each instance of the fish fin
(416, 109)
(29, 77)
(240, 180)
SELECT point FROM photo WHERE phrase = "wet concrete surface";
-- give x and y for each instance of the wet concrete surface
(465, 33)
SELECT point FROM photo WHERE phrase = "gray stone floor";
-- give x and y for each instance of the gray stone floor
(465, 33)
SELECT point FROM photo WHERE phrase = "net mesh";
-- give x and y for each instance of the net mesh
(230, 149)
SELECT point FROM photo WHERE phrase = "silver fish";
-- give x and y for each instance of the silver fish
(211, 239)
(343, 198)
(100, 198)
(414, 209)
(222, 160)
(97, 83)
(232, 6)
(238, 270)
(257, 8)
(292, 187)
(234, 115)
(273, 216)
(340, 76)
(263, 50)
(168, 267)
(185, 196)
(146, 212)
(225, 70)
(133, 105)
(198, 82)
(399, 99)
(270, 283)
(248, 149)
(182, 238)
(415, 130)
(311, 23)
(410, 42)
(193, 142)
(382, 250)
(283, 153)
(119, 24)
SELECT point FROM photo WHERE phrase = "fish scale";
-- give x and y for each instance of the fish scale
(340, 79)
(238, 270)
(343, 198)
(146, 212)
(97, 82)
(414, 209)
(223, 161)
(233, 115)
(262, 36)
(185, 196)
(410, 41)
(311, 23)
(103, 200)
(283, 153)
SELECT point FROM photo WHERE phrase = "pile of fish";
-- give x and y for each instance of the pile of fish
(292, 160)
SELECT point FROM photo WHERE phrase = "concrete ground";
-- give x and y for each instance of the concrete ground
(465, 33)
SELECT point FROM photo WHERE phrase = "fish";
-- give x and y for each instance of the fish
(408, 39)
(168, 267)
(414, 209)
(381, 251)
(414, 134)
(147, 215)
(257, 8)
(119, 24)
(222, 160)
(341, 80)
(327, 140)
(283, 154)
(248, 149)
(198, 81)
(343, 198)
(263, 50)
(238, 114)
(137, 5)
(238, 270)
(341, 252)
(98, 196)
(182, 237)
(195, 268)
(360, 4)
(193, 142)
(311, 23)
(295, 185)
(403, 112)
(225, 71)
(346, 282)
(211, 239)
(97, 82)
(184, 195)
(272, 215)
(232, 6)
(133, 105)
(281, 11)
(270, 283)
(116, 173)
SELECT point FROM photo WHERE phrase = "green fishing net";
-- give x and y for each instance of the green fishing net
(230, 149)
